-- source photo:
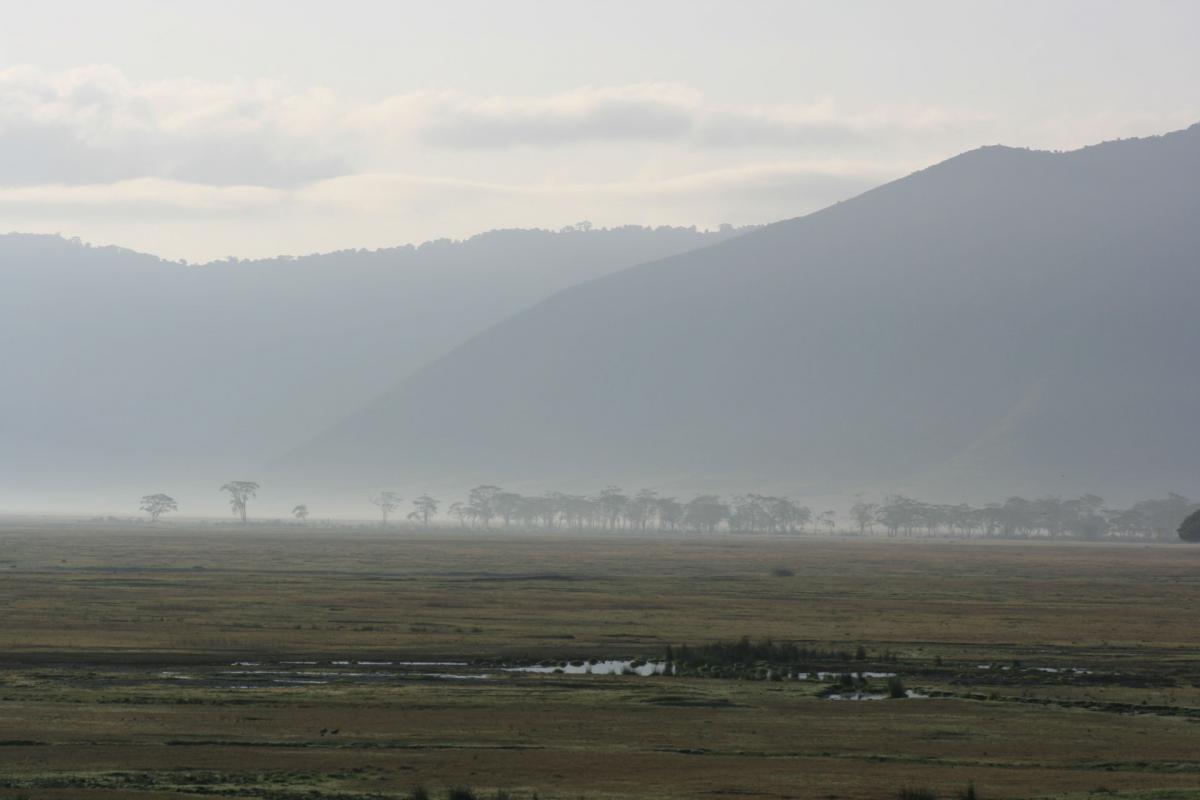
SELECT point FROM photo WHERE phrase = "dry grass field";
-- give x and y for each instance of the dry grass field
(183, 661)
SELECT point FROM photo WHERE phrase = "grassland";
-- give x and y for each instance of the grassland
(1054, 670)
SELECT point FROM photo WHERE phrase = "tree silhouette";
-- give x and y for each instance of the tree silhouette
(506, 505)
(158, 504)
(863, 514)
(612, 504)
(705, 513)
(670, 512)
(611, 509)
(424, 507)
(459, 510)
(387, 502)
(240, 493)
(1189, 529)
(300, 512)
(481, 503)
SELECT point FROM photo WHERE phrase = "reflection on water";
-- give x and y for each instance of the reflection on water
(247, 674)
(909, 694)
(610, 667)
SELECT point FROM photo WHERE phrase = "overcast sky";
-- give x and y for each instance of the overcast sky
(200, 130)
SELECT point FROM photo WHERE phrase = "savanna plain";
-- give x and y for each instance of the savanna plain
(286, 662)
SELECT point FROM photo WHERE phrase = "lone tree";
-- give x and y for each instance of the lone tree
(300, 512)
(387, 502)
(1189, 529)
(158, 504)
(240, 493)
(423, 508)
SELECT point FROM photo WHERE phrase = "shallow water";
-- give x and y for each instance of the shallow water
(610, 667)
(1051, 670)
(908, 694)
(258, 674)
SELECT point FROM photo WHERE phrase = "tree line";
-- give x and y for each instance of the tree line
(1085, 517)
(612, 509)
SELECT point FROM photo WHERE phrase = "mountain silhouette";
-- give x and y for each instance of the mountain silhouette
(122, 367)
(1007, 320)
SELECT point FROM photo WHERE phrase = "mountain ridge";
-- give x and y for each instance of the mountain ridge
(999, 253)
(123, 364)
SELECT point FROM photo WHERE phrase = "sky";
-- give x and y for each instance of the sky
(206, 130)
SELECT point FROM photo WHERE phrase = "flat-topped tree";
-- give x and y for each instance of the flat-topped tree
(240, 493)
(300, 512)
(1189, 529)
(387, 502)
(158, 504)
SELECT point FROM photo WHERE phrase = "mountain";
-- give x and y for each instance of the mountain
(121, 368)
(1007, 320)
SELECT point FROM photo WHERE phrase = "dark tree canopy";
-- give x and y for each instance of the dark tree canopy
(1189, 529)
(158, 504)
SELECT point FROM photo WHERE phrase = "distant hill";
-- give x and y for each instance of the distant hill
(123, 368)
(1007, 320)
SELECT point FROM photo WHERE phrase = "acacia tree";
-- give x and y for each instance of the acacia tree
(506, 505)
(240, 493)
(612, 504)
(424, 508)
(481, 503)
(158, 504)
(670, 512)
(300, 512)
(387, 502)
(705, 513)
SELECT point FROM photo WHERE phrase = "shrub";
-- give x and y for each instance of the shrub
(913, 793)
(1189, 529)
(895, 688)
(783, 572)
(745, 653)
(460, 793)
(420, 793)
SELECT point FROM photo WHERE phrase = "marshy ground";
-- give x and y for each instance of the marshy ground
(181, 661)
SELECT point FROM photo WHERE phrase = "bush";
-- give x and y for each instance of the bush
(895, 688)
(913, 793)
(1189, 529)
(783, 572)
(745, 653)
(420, 793)
(460, 793)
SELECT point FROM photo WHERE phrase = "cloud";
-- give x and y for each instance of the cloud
(92, 125)
(648, 113)
(664, 113)
(196, 169)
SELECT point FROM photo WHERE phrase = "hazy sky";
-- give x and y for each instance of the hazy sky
(200, 130)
